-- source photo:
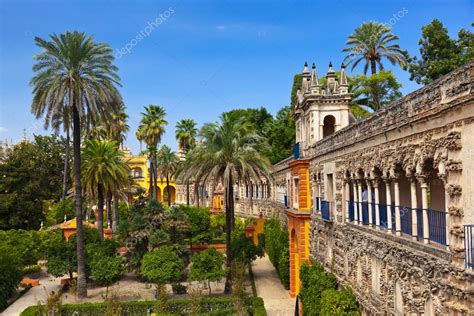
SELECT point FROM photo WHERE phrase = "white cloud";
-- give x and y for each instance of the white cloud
(3, 129)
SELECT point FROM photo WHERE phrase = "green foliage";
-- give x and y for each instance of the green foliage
(10, 276)
(343, 302)
(297, 82)
(162, 266)
(375, 91)
(199, 220)
(243, 248)
(207, 306)
(60, 255)
(31, 173)
(23, 245)
(106, 270)
(281, 135)
(276, 246)
(314, 281)
(207, 266)
(439, 53)
(59, 210)
(178, 288)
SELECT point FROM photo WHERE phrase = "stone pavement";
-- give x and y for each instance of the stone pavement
(275, 297)
(48, 283)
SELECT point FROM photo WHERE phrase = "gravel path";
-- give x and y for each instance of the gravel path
(276, 298)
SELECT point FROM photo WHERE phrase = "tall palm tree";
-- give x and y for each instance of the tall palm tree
(230, 152)
(167, 165)
(371, 42)
(186, 133)
(75, 74)
(150, 130)
(103, 170)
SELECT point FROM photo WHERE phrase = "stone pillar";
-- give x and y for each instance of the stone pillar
(359, 190)
(348, 196)
(356, 201)
(446, 209)
(369, 200)
(424, 205)
(377, 201)
(414, 204)
(396, 193)
(388, 194)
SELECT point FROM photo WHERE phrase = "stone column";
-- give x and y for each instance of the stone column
(414, 204)
(396, 193)
(348, 196)
(356, 201)
(369, 200)
(359, 189)
(446, 209)
(389, 204)
(424, 205)
(377, 201)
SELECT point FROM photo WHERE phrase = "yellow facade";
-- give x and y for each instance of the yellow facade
(140, 173)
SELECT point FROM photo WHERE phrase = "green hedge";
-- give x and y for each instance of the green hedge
(209, 306)
(277, 247)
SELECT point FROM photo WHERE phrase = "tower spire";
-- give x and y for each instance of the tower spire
(343, 84)
(314, 76)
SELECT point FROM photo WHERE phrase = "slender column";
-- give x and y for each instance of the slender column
(359, 189)
(388, 194)
(377, 201)
(369, 200)
(348, 196)
(396, 192)
(446, 209)
(414, 205)
(356, 201)
(424, 205)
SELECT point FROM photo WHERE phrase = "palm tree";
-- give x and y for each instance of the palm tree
(231, 152)
(76, 75)
(103, 170)
(167, 165)
(150, 130)
(371, 42)
(186, 133)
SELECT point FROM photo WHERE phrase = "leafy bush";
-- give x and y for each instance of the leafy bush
(162, 266)
(106, 270)
(276, 245)
(10, 276)
(62, 208)
(243, 248)
(314, 281)
(207, 306)
(343, 302)
(22, 245)
(178, 288)
(207, 266)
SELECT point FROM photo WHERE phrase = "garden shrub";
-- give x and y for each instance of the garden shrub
(243, 248)
(342, 302)
(276, 245)
(59, 210)
(207, 266)
(10, 276)
(314, 281)
(106, 270)
(207, 306)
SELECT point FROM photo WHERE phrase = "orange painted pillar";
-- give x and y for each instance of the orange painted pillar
(299, 216)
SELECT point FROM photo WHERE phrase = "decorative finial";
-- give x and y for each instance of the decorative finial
(343, 66)
(314, 66)
(330, 64)
(41, 226)
(306, 64)
(65, 219)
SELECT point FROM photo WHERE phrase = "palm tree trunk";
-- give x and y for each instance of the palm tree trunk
(115, 216)
(109, 207)
(150, 174)
(100, 211)
(168, 189)
(373, 67)
(81, 264)
(66, 165)
(187, 193)
(196, 193)
(229, 222)
(155, 173)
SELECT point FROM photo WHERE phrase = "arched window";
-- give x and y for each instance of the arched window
(329, 125)
(137, 173)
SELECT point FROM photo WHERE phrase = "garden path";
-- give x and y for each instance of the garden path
(276, 298)
(48, 283)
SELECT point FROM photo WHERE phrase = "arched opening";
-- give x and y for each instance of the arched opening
(158, 194)
(172, 193)
(137, 172)
(329, 125)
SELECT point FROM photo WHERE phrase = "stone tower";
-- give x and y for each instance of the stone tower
(322, 107)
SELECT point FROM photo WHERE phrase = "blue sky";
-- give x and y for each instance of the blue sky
(203, 57)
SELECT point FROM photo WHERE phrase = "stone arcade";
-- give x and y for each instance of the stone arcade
(386, 203)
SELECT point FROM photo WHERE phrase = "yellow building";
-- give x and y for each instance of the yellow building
(140, 173)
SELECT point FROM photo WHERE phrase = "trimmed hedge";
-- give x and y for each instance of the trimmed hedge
(209, 306)
(277, 247)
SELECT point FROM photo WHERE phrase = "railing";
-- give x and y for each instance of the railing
(326, 210)
(437, 226)
(351, 210)
(405, 220)
(469, 246)
(365, 212)
(383, 215)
